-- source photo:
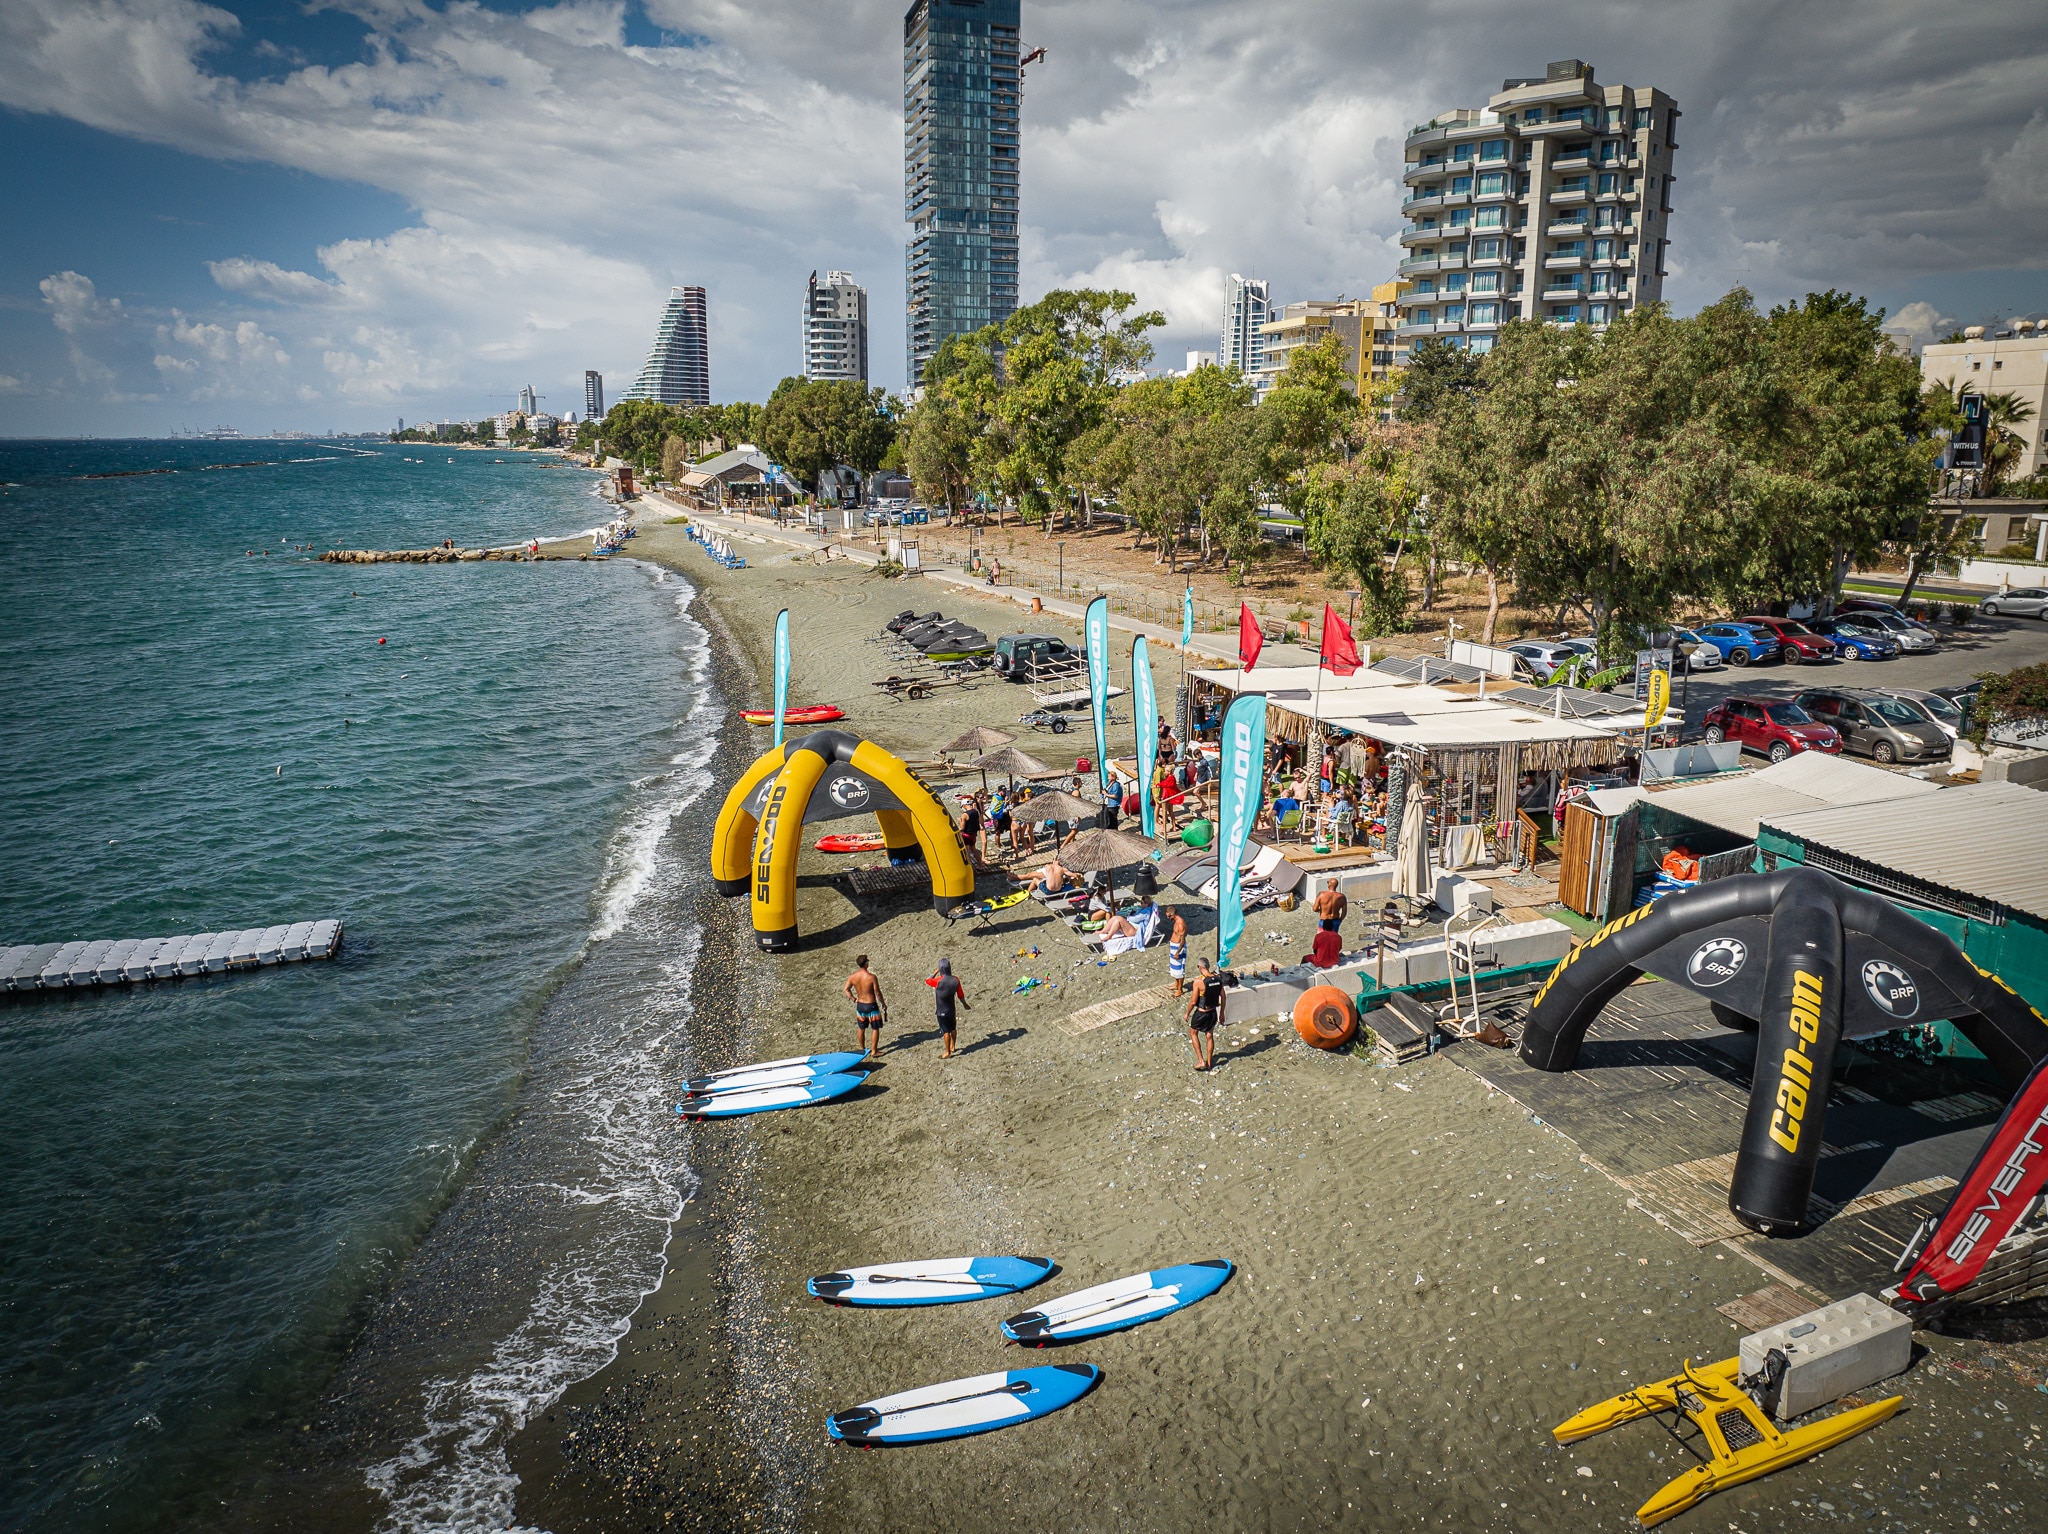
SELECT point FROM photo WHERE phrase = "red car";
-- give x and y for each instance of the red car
(1771, 727)
(1796, 642)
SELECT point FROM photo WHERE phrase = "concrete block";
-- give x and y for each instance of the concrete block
(1832, 1351)
(1366, 888)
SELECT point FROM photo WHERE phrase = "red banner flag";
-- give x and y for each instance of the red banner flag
(1249, 640)
(1340, 650)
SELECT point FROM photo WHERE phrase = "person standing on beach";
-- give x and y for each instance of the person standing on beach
(1330, 907)
(950, 991)
(870, 1007)
(1204, 1011)
(1176, 949)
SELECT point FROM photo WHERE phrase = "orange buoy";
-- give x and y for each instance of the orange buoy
(1325, 1017)
(380, 641)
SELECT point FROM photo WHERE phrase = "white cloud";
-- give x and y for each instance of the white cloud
(75, 305)
(564, 179)
(1920, 323)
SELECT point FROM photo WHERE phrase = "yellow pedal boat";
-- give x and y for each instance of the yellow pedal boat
(1742, 1442)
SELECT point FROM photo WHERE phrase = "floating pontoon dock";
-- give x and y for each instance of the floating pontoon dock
(75, 966)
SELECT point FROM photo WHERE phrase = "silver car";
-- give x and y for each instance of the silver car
(1885, 729)
(1912, 638)
(1933, 704)
(2027, 602)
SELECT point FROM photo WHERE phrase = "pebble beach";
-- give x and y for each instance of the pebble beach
(1428, 1277)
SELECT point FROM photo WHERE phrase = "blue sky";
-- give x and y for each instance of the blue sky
(337, 214)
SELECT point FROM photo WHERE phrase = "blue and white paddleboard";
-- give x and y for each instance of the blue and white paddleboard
(1112, 1307)
(775, 1075)
(823, 1065)
(939, 1281)
(795, 1094)
(959, 1408)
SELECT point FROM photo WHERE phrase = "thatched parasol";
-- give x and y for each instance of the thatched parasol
(979, 739)
(1013, 764)
(1105, 852)
(1056, 804)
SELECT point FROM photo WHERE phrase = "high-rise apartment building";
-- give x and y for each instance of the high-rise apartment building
(1246, 308)
(593, 395)
(961, 93)
(835, 328)
(529, 402)
(678, 367)
(1552, 203)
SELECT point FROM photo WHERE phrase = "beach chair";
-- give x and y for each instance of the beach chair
(1291, 821)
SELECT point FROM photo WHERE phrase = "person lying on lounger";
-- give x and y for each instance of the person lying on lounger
(1052, 878)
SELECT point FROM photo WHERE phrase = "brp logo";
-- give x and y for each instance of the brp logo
(1891, 988)
(849, 793)
(1717, 962)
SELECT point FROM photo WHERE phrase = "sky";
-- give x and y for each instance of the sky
(282, 215)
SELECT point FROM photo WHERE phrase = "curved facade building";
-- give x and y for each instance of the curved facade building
(678, 367)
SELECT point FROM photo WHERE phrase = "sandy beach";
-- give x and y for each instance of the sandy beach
(1427, 1277)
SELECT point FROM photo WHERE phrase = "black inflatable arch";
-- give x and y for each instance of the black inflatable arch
(1811, 961)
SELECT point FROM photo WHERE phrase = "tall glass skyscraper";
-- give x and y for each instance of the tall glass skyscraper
(678, 366)
(961, 90)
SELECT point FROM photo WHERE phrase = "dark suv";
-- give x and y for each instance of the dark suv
(1873, 725)
(1770, 726)
(1019, 657)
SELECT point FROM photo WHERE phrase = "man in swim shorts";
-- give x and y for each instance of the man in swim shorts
(1330, 906)
(950, 990)
(1205, 1010)
(1176, 949)
(870, 1008)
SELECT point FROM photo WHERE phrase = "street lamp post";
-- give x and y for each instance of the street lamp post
(1063, 566)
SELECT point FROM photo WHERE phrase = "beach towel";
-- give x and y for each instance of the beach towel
(1147, 923)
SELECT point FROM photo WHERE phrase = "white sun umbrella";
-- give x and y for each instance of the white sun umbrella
(1411, 857)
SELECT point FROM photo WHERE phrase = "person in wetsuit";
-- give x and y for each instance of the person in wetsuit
(1204, 1011)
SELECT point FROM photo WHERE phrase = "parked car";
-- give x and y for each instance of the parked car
(2022, 602)
(1933, 704)
(1701, 654)
(1544, 655)
(1854, 640)
(1796, 642)
(1019, 657)
(1914, 638)
(1740, 643)
(1771, 727)
(1873, 725)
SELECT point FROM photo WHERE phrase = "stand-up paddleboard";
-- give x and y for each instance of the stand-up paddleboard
(776, 1073)
(852, 841)
(939, 1281)
(959, 1408)
(1112, 1307)
(795, 1094)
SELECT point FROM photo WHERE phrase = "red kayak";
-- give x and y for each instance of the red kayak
(870, 841)
(815, 713)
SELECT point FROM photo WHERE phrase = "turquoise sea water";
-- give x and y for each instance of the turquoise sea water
(206, 1179)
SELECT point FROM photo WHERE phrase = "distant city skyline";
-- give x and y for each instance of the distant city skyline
(298, 219)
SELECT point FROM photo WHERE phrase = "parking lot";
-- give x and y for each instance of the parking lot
(1989, 644)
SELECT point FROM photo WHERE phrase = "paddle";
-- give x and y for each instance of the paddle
(1035, 1321)
(843, 1281)
(863, 1419)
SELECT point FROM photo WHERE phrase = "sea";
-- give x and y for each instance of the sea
(476, 767)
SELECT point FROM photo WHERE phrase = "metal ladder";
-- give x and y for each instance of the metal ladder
(1461, 958)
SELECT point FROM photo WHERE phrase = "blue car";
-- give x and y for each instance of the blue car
(1854, 640)
(1740, 643)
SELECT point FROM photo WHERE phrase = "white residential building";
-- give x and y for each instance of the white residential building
(1199, 360)
(835, 328)
(1246, 308)
(2007, 361)
(1551, 203)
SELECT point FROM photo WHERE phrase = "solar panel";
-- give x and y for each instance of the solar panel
(1430, 667)
(1578, 703)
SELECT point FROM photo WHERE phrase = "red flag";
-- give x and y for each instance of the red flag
(1249, 640)
(1340, 650)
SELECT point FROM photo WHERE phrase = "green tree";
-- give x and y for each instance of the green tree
(634, 430)
(1437, 376)
(812, 424)
(1363, 505)
(938, 453)
(2003, 447)
(2018, 697)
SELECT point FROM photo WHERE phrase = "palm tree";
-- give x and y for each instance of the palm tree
(2002, 446)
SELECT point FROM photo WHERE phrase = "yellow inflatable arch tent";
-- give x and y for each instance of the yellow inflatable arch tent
(828, 775)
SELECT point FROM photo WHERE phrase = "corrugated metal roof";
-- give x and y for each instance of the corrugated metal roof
(1987, 839)
(1809, 781)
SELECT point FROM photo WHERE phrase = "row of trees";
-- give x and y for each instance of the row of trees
(807, 426)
